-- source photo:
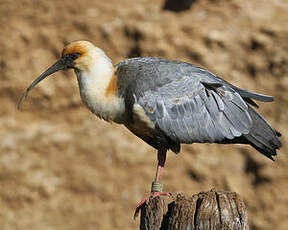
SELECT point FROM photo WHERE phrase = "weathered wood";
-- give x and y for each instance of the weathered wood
(203, 211)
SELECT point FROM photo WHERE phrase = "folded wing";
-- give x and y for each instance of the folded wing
(188, 111)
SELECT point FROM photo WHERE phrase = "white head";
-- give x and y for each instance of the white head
(81, 56)
(84, 55)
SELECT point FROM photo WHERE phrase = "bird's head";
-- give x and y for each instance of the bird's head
(78, 55)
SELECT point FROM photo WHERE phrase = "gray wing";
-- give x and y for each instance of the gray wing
(187, 103)
(189, 112)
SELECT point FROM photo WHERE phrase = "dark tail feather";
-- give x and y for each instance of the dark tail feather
(257, 96)
(262, 136)
(247, 94)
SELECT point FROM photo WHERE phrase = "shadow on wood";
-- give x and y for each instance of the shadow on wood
(205, 211)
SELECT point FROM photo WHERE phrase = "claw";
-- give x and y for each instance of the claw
(145, 199)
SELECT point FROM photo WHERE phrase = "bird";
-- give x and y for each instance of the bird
(166, 103)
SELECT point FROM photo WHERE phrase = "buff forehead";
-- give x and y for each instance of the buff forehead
(80, 47)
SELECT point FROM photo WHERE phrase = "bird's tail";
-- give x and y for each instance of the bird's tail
(262, 136)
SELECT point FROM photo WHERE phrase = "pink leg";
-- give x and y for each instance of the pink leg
(161, 155)
(156, 188)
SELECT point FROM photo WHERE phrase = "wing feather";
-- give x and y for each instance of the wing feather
(188, 104)
(204, 115)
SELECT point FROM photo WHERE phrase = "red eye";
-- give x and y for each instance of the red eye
(74, 55)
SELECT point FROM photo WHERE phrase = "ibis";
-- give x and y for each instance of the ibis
(166, 102)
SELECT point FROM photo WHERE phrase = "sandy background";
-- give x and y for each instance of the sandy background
(62, 168)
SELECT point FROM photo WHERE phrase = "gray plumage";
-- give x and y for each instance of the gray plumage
(188, 104)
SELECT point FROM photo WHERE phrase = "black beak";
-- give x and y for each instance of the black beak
(65, 62)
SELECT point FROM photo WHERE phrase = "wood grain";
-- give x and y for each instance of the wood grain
(205, 210)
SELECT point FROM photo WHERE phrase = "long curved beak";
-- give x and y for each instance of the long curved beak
(59, 65)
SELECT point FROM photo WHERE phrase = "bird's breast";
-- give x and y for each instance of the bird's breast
(93, 91)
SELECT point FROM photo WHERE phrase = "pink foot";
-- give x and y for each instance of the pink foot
(143, 201)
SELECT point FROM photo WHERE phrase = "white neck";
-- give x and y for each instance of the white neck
(93, 84)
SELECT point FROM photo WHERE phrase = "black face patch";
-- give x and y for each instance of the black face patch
(68, 60)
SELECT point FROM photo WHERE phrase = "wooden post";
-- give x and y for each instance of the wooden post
(203, 211)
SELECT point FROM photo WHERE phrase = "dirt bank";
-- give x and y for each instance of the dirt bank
(62, 168)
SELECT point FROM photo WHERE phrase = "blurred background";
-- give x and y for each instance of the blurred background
(62, 168)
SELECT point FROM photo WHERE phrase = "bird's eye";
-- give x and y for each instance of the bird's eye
(74, 55)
